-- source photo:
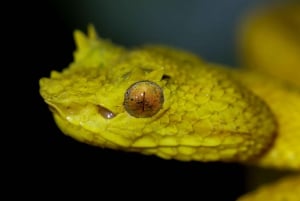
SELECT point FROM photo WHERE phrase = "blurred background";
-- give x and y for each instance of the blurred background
(206, 27)
(43, 35)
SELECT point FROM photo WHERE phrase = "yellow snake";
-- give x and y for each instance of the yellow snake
(168, 102)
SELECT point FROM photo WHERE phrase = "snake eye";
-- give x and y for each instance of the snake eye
(143, 99)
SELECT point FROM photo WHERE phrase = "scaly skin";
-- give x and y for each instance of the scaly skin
(209, 113)
(284, 101)
(206, 115)
(269, 42)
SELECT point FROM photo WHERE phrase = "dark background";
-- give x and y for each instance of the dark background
(40, 40)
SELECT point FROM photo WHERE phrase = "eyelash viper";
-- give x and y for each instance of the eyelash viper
(206, 112)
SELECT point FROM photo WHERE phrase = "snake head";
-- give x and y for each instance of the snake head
(156, 100)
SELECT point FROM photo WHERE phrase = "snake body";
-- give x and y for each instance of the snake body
(207, 113)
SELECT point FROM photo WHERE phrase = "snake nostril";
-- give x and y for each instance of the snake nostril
(106, 113)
